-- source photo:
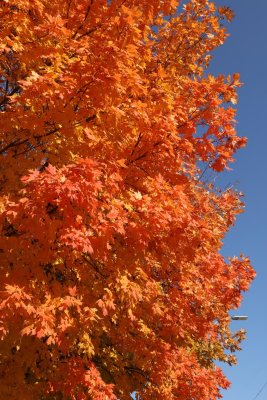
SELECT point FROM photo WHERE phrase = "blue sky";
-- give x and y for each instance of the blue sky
(245, 51)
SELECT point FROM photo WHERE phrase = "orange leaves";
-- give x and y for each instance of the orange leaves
(111, 272)
(84, 377)
(244, 272)
(106, 304)
(227, 13)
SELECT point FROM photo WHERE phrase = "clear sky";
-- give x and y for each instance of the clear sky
(245, 51)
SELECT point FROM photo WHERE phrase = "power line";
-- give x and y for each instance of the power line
(259, 392)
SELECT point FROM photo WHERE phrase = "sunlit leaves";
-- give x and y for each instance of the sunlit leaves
(112, 281)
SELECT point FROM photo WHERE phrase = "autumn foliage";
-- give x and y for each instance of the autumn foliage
(111, 275)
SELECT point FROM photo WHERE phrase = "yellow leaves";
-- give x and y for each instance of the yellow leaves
(144, 329)
(158, 309)
(130, 314)
(80, 133)
(59, 261)
(137, 195)
(85, 346)
(16, 46)
(123, 283)
(131, 50)
(128, 207)
(122, 163)
(89, 315)
(212, 7)
(128, 292)
(230, 94)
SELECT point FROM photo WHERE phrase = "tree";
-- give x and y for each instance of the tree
(111, 276)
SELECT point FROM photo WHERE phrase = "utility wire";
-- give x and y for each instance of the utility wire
(259, 392)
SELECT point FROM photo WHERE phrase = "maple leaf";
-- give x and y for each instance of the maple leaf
(112, 278)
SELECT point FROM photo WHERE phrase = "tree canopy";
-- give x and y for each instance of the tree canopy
(111, 275)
